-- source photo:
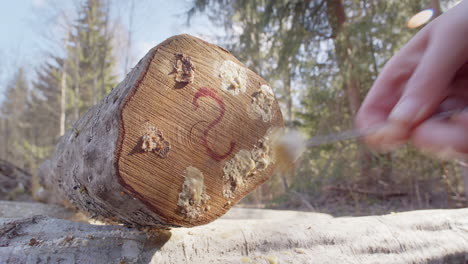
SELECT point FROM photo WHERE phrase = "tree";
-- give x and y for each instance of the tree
(90, 61)
(64, 87)
(12, 110)
(321, 57)
(128, 47)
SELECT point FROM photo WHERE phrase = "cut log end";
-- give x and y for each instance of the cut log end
(192, 127)
(208, 125)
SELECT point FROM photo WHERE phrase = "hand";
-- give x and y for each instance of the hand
(428, 75)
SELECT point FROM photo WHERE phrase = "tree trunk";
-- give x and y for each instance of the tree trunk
(436, 7)
(76, 101)
(242, 236)
(386, 172)
(103, 52)
(464, 176)
(129, 37)
(15, 182)
(94, 89)
(63, 99)
(182, 139)
(7, 139)
(337, 17)
(4, 138)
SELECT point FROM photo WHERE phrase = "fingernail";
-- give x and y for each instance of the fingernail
(408, 110)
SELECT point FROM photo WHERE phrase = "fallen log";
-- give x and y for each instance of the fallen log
(177, 143)
(383, 195)
(244, 236)
(15, 183)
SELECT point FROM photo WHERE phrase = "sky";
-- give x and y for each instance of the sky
(29, 29)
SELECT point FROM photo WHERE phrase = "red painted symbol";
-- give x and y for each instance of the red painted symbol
(206, 92)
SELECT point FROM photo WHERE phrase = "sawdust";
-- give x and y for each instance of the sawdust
(236, 171)
(233, 77)
(245, 164)
(262, 103)
(153, 141)
(193, 198)
(288, 147)
(184, 69)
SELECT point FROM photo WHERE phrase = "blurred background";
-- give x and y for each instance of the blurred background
(58, 58)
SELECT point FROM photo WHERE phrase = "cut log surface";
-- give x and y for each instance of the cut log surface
(181, 140)
(243, 236)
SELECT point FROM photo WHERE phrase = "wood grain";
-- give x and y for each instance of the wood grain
(199, 136)
(126, 159)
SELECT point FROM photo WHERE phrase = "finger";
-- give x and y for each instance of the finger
(429, 83)
(426, 88)
(457, 100)
(447, 139)
(389, 85)
(387, 90)
(425, 49)
(462, 73)
(445, 56)
(458, 97)
(451, 103)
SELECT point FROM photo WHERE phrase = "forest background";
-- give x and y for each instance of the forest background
(320, 56)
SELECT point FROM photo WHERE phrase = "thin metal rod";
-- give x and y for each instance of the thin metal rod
(357, 133)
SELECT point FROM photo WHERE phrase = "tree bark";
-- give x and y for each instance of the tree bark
(243, 236)
(182, 139)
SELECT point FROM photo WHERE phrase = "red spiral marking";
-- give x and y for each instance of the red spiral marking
(207, 92)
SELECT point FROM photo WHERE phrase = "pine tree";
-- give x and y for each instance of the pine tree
(85, 72)
(322, 56)
(13, 110)
(90, 60)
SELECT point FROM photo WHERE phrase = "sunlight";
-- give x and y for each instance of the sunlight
(420, 18)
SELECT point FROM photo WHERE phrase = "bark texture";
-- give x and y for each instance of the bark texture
(186, 104)
(244, 236)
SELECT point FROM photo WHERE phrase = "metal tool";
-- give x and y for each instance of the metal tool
(357, 133)
(291, 145)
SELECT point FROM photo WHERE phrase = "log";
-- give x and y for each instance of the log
(15, 183)
(244, 236)
(10, 209)
(177, 143)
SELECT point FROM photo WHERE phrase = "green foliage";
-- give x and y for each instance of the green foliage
(31, 115)
(12, 112)
(89, 61)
